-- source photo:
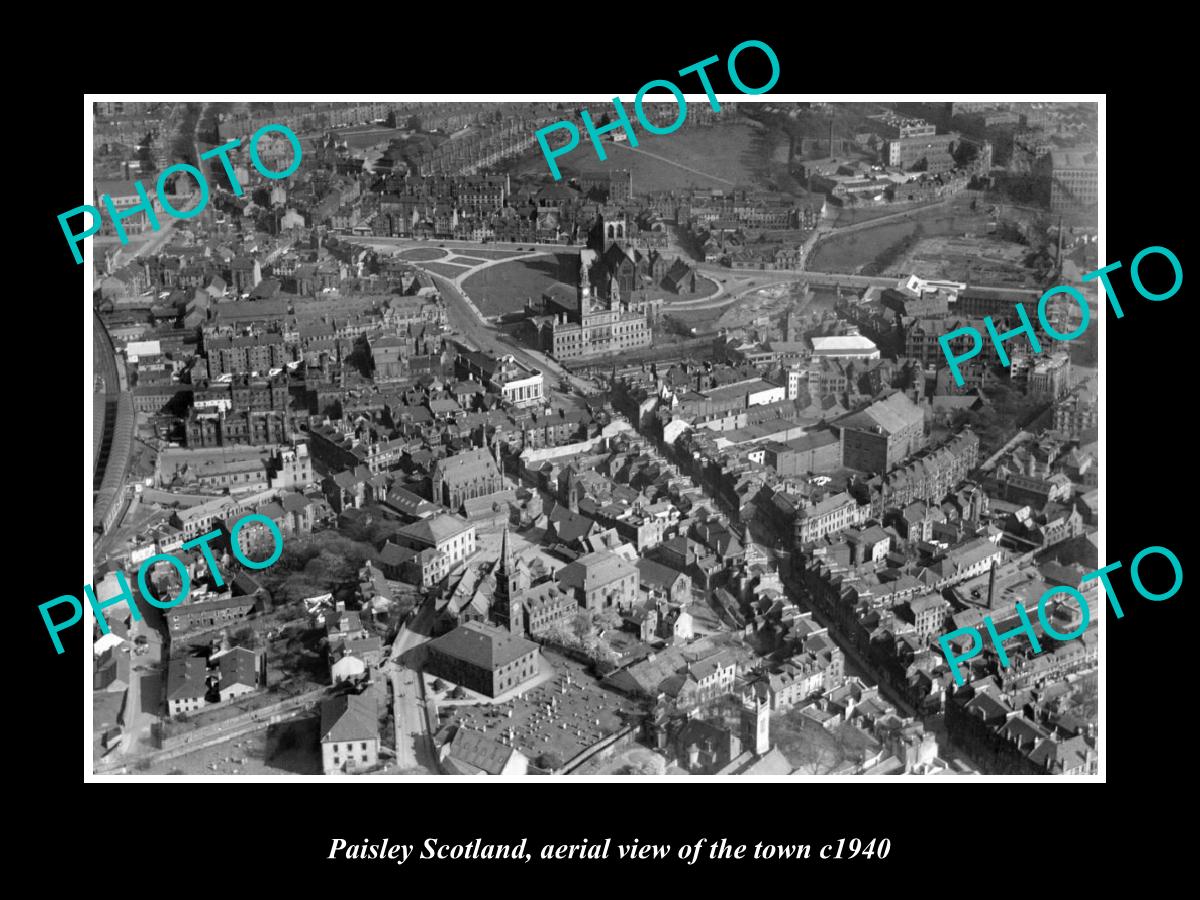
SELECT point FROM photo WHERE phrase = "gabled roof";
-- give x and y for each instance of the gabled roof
(187, 678)
(890, 415)
(238, 666)
(480, 751)
(350, 717)
(395, 555)
(701, 669)
(655, 575)
(570, 526)
(435, 530)
(595, 570)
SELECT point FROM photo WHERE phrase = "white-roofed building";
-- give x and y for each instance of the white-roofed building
(136, 349)
(845, 346)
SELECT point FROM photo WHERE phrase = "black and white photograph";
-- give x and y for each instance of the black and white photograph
(743, 436)
(677, 452)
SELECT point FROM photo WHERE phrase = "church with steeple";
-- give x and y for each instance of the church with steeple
(524, 608)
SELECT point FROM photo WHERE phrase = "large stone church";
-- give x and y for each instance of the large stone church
(466, 476)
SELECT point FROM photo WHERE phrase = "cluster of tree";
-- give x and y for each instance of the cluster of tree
(323, 562)
(894, 252)
(245, 637)
(648, 764)
(581, 634)
(815, 751)
(964, 153)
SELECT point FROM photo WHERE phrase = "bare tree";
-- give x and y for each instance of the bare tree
(581, 626)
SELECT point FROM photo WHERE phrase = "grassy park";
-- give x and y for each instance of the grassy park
(422, 254)
(504, 288)
(446, 269)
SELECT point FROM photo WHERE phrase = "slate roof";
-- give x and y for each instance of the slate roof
(435, 530)
(701, 669)
(890, 415)
(570, 526)
(349, 717)
(483, 646)
(477, 463)
(238, 666)
(595, 570)
(656, 575)
(395, 555)
(186, 678)
(480, 751)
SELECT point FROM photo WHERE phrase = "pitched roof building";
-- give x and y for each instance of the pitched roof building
(349, 732)
(465, 476)
(483, 658)
(600, 580)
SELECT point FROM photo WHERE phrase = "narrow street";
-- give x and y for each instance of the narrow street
(865, 668)
(414, 750)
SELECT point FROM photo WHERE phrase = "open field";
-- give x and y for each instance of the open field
(450, 271)
(459, 259)
(422, 253)
(288, 748)
(853, 215)
(724, 154)
(703, 320)
(986, 259)
(492, 254)
(727, 155)
(504, 288)
(768, 303)
(850, 252)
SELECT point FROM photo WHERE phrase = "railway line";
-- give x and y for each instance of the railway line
(112, 447)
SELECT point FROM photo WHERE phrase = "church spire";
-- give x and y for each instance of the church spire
(505, 558)
(507, 609)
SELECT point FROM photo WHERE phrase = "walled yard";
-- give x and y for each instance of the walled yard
(559, 718)
(287, 748)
